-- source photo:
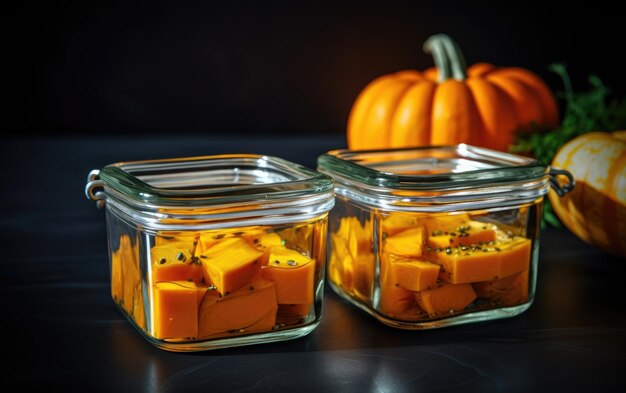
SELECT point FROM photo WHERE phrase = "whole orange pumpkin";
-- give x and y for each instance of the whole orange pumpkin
(596, 209)
(449, 104)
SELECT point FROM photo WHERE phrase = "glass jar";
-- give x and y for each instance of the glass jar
(216, 251)
(436, 236)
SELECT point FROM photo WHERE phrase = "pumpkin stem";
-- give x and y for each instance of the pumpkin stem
(448, 58)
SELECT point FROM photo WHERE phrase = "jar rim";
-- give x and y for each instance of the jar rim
(213, 180)
(430, 167)
(435, 178)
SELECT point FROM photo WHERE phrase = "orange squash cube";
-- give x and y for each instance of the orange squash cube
(394, 223)
(358, 237)
(293, 274)
(443, 222)
(462, 233)
(446, 299)
(117, 281)
(177, 239)
(171, 263)
(341, 263)
(125, 270)
(264, 242)
(363, 275)
(249, 309)
(466, 265)
(230, 264)
(408, 243)
(394, 300)
(415, 275)
(176, 309)
(508, 291)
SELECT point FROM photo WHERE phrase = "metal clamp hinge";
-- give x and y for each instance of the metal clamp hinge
(558, 187)
(94, 190)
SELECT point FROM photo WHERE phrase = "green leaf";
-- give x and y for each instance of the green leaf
(583, 112)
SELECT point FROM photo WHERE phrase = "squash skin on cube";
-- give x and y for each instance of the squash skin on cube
(446, 299)
(497, 261)
(415, 275)
(293, 274)
(176, 309)
(249, 309)
(408, 243)
(230, 264)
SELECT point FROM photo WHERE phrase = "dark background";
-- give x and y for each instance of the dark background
(223, 68)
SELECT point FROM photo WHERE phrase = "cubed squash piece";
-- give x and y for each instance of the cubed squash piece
(394, 223)
(176, 309)
(363, 275)
(263, 242)
(485, 263)
(249, 309)
(409, 243)
(341, 263)
(117, 281)
(171, 263)
(508, 291)
(208, 240)
(394, 301)
(415, 275)
(299, 237)
(445, 299)
(346, 226)
(177, 238)
(230, 264)
(463, 233)
(443, 222)
(359, 237)
(293, 274)
(132, 299)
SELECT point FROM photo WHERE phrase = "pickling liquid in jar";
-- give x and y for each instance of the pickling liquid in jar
(219, 283)
(428, 267)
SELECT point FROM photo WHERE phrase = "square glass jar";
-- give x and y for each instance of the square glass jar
(431, 237)
(216, 251)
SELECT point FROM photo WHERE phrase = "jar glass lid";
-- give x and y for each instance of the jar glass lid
(211, 192)
(438, 178)
(427, 168)
(210, 180)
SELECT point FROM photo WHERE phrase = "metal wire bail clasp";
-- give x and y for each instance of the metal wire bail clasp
(564, 188)
(94, 190)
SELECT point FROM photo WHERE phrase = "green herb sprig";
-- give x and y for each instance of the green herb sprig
(583, 112)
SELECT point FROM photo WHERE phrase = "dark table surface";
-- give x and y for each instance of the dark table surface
(60, 328)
